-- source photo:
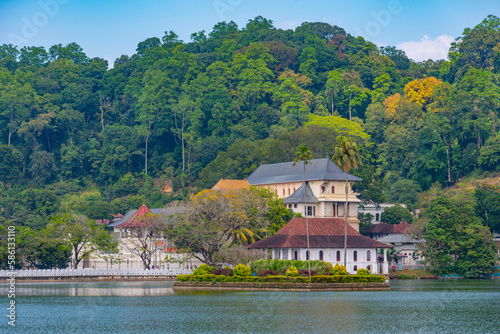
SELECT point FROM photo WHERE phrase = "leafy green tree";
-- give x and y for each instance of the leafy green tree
(83, 235)
(396, 214)
(489, 155)
(488, 206)
(212, 219)
(455, 240)
(365, 222)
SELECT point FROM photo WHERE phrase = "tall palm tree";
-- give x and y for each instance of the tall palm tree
(303, 154)
(346, 157)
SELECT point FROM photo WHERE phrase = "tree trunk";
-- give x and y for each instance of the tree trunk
(345, 221)
(308, 258)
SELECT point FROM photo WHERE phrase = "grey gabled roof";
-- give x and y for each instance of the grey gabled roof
(298, 195)
(165, 211)
(318, 169)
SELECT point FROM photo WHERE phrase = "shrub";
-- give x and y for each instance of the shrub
(306, 273)
(242, 270)
(227, 268)
(225, 272)
(363, 272)
(292, 271)
(204, 269)
(339, 270)
(264, 273)
(320, 267)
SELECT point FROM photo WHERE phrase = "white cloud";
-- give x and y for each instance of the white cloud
(427, 48)
(287, 25)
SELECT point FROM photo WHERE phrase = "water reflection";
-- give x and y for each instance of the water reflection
(92, 289)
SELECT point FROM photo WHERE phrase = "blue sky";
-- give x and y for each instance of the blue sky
(110, 28)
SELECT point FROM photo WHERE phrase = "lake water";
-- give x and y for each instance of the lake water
(421, 306)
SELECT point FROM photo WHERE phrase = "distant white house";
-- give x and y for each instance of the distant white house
(375, 209)
(404, 245)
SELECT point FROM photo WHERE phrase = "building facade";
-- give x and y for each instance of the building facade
(326, 243)
(323, 195)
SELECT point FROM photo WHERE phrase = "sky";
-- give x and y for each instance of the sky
(110, 28)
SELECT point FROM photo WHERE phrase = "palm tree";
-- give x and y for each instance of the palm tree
(303, 154)
(346, 157)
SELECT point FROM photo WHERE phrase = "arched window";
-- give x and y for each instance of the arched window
(307, 255)
(283, 191)
(368, 256)
(288, 191)
(338, 256)
(355, 255)
(296, 256)
(321, 255)
(355, 268)
(377, 217)
(369, 268)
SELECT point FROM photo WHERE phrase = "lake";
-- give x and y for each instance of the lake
(420, 306)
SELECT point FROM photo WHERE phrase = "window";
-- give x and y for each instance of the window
(338, 256)
(323, 189)
(321, 255)
(295, 206)
(311, 210)
(333, 190)
(307, 255)
(369, 268)
(296, 256)
(293, 189)
(355, 255)
(276, 191)
(288, 191)
(377, 217)
(283, 191)
(355, 268)
(368, 256)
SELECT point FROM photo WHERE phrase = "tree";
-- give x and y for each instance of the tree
(145, 236)
(396, 214)
(211, 220)
(346, 157)
(304, 155)
(83, 235)
(455, 240)
(488, 206)
(365, 222)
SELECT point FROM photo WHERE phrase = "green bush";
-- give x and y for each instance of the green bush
(203, 270)
(292, 272)
(363, 272)
(321, 267)
(242, 270)
(339, 270)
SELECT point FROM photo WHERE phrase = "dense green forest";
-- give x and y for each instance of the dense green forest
(79, 136)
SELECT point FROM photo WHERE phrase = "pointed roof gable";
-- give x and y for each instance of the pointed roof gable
(137, 218)
(298, 195)
(323, 233)
(318, 169)
(226, 186)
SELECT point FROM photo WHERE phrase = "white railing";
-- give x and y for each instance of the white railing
(94, 272)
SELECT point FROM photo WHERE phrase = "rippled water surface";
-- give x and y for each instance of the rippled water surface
(462, 306)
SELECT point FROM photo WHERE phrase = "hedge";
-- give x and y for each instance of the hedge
(282, 279)
(318, 266)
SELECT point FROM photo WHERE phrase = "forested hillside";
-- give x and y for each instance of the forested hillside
(76, 136)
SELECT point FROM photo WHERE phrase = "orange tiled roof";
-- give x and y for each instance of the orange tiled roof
(225, 186)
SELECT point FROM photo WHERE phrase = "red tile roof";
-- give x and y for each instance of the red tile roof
(323, 233)
(384, 228)
(137, 220)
